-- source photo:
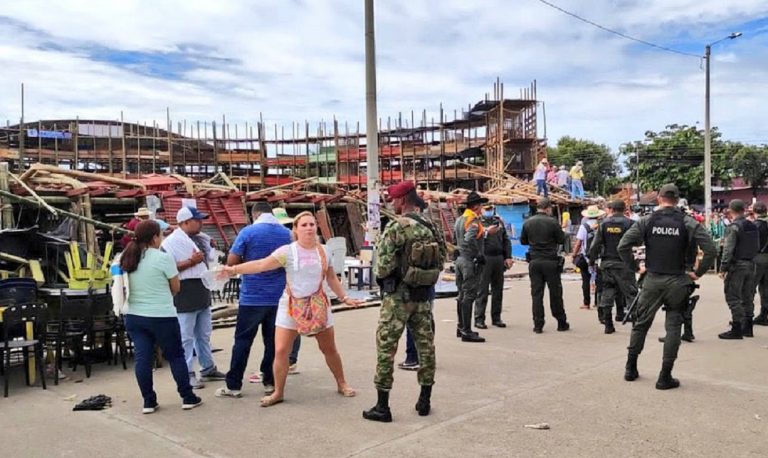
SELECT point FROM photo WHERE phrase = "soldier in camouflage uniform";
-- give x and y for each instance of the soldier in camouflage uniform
(409, 258)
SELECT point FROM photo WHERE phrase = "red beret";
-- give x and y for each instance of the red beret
(400, 189)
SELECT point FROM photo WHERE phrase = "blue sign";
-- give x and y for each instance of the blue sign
(49, 134)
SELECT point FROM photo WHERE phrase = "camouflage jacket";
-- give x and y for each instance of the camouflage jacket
(396, 235)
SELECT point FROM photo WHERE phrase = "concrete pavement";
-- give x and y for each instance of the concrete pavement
(485, 394)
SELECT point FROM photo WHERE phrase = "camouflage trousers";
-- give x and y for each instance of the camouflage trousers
(397, 311)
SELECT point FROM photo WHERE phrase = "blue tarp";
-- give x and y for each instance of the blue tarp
(49, 134)
(513, 216)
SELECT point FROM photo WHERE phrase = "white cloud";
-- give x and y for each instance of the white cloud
(303, 60)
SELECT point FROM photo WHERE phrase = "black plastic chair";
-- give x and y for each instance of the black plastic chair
(15, 319)
(68, 331)
(107, 326)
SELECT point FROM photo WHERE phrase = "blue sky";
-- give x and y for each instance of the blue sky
(304, 61)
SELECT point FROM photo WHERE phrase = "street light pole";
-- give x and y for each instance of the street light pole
(708, 131)
(371, 126)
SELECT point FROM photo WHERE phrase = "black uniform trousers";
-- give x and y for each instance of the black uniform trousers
(546, 272)
(586, 279)
(761, 281)
(740, 290)
(493, 277)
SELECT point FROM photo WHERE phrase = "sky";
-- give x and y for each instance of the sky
(303, 60)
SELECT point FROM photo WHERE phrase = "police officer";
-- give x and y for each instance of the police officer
(738, 270)
(617, 279)
(410, 256)
(668, 235)
(543, 234)
(498, 258)
(470, 235)
(761, 262)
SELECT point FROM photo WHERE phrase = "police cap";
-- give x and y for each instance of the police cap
(737, 205)
(669, 191)
(617, 205)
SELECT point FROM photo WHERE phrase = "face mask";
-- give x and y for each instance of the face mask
(488, 214)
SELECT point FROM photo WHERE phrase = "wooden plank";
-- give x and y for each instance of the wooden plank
(324, 221)
(356, 225)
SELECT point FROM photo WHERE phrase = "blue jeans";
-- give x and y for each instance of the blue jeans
(541, 187)
(146, 332)
(196, 328)
(577, 189)
(249, 318)
(293, 358)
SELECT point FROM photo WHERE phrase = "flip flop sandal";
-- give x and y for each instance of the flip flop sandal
(269, 401)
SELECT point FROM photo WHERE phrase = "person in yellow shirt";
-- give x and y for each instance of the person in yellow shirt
(577, 186)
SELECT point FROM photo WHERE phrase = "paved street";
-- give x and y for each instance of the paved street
(485, 394)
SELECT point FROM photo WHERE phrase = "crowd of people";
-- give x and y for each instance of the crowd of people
(285, 275)
(570, 179)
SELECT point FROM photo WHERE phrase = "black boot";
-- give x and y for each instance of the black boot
(688, 331)
(746, 328)
(379, 412)
(762, 318)
(471, 337)
(601, 315)
(423, 404)
(562, 325)
(630, 371)
(666, 382)
(619, 314)
(609, 329)
(734, 333)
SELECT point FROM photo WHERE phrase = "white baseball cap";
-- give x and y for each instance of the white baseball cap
(187, 213)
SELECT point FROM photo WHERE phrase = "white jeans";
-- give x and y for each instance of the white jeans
(196, 328)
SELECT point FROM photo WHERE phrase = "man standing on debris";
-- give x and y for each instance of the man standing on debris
(498, 258)
(669, 236)
(617, 279)
(192, 251)
(540, 176)
(410, 256)
(470, 235)
(259, 297)
(737, 269)
(761, 262)
(562, 178)
(577, 185)
(543, 234)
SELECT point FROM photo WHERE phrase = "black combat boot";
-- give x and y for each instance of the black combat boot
(630, 371)
(688, 331)
(608, 320)
(734, 333)
(762, 318)
(601, 315)
(379, 412)
(619, 314)
(665, 381)
(471, 337)
(562, 325)
(746, 328)
(423, 404)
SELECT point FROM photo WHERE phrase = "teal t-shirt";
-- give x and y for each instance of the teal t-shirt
(150, 294)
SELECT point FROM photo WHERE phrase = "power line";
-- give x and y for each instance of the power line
(622, 35)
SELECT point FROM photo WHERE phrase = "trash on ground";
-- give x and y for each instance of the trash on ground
(538, 426)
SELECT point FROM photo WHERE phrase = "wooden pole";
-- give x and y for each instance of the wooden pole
(77, 143)
(7, 213)
(22, 133)
(168, 132)
(125, 151)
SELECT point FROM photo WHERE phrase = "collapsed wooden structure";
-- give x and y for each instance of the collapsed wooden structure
(498, 135)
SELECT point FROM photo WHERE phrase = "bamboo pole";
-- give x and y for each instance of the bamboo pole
(7, 213)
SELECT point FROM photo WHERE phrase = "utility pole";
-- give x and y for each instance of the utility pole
(371, 126)
(707, 143)
(708, 132)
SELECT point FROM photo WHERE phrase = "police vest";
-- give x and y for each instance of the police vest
(747, 240)
(666, 243)
(762, 230)
(612, 230)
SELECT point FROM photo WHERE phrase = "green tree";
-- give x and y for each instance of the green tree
(676, 155)
(600, 164)
(751, 163)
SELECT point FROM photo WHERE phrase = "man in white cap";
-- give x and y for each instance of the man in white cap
(584, 237)
(540, 176)
(191, 249)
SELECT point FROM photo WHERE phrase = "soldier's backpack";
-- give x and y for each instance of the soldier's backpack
(420, 263)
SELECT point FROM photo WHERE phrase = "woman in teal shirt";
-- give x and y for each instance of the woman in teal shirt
(151, 317)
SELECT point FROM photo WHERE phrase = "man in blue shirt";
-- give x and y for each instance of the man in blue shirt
(259, 297)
